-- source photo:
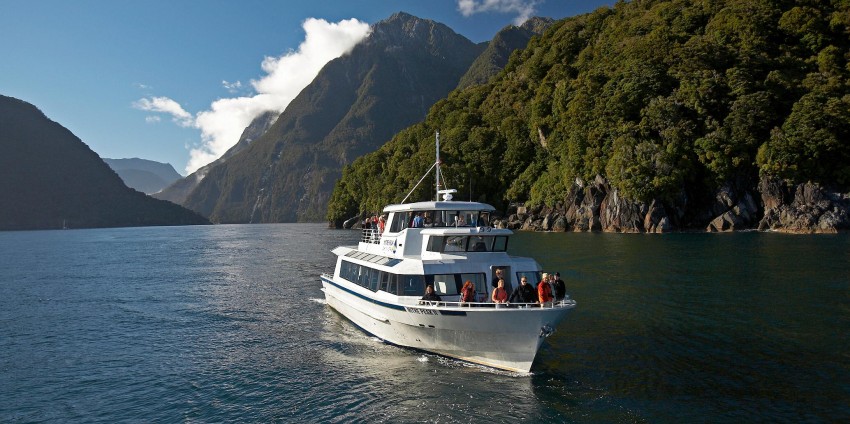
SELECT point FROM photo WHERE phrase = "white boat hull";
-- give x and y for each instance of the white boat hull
(504, 338)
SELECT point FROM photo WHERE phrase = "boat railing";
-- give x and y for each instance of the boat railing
(370, 235)
(548, 305)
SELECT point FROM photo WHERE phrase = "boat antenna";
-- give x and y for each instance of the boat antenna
(437, 164)
(447, 194)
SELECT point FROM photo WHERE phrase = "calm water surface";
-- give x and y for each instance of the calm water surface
(227, 323)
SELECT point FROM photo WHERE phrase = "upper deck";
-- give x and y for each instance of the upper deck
(435, 230)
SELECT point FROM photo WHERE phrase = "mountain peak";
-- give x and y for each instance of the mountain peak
(405, 29)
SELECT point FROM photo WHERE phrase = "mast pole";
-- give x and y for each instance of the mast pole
(438, 166)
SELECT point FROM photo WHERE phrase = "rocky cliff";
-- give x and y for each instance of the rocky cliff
(771, 205)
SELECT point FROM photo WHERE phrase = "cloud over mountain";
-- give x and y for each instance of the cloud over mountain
(285, 77)
(524, 8)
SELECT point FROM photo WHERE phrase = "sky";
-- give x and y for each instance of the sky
(177, 81)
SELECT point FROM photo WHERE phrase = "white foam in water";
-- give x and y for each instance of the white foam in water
(320, 301)
(422, 358)
(482, 368)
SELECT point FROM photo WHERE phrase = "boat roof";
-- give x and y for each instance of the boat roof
(439, 206)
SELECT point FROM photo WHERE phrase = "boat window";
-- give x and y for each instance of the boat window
(501, 244)
(374, 276)
(411, 285)
(363, 276)
(533, 277)
(467, 243)
(483, 219)
(480, 244)
(435, 243)
(444, 284)
(455, 244)
(400, 221)
(427, 218)
(392, 283)
(351, 272)
(477, 279)
(385, 277)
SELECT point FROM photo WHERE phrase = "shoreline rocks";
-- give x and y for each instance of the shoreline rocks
(772, 205)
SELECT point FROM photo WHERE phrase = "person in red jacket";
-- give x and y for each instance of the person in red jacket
(467, 293)
(544, 290)
(500, 296)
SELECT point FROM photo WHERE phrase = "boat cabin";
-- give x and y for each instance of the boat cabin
(431, 229)
(439, 243)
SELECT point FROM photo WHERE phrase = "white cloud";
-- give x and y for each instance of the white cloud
(165, 105)
(523, 8)
(231, 87)
(284, 78)
(152, 119)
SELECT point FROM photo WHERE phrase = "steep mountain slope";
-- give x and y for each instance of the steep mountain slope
(682, 106)
(144, 175)
(48, 177)
(495, 56)
(355, 104)
(179, 190)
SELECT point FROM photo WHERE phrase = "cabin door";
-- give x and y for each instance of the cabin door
(495, 275)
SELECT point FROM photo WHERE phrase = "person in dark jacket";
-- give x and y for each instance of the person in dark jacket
(498, 275)
(524, 293)
(560, 287)
(430, 295)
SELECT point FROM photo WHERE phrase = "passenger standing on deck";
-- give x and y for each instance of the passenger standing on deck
(467, 293)
(524, 293)
(497, 277)
(500, 296)
(544, 290)
(560, 287)
(430, 295)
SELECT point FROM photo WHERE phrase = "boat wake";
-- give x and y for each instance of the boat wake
(457, 363)
(319, 301)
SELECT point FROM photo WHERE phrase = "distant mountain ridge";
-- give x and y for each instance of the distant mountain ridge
(49, 179)
(354, 105)
(144, 175)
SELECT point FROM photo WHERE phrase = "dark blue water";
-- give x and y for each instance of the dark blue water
(227, 323)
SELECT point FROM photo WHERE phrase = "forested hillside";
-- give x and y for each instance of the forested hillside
(666, 100)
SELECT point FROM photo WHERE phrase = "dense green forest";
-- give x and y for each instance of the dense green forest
(659, 97)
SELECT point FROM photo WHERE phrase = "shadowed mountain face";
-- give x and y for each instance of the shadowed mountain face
(355, 104)
(49, 179)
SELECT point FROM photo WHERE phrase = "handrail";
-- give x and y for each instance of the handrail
(508, 305)
(370, 235)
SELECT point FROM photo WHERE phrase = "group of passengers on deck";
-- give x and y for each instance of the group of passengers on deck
(550, 289)
(426, 219)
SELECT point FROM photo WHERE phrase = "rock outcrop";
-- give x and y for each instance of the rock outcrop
(803, 208)
(772, 205)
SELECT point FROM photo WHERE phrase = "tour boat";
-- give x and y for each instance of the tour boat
(379, 283)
